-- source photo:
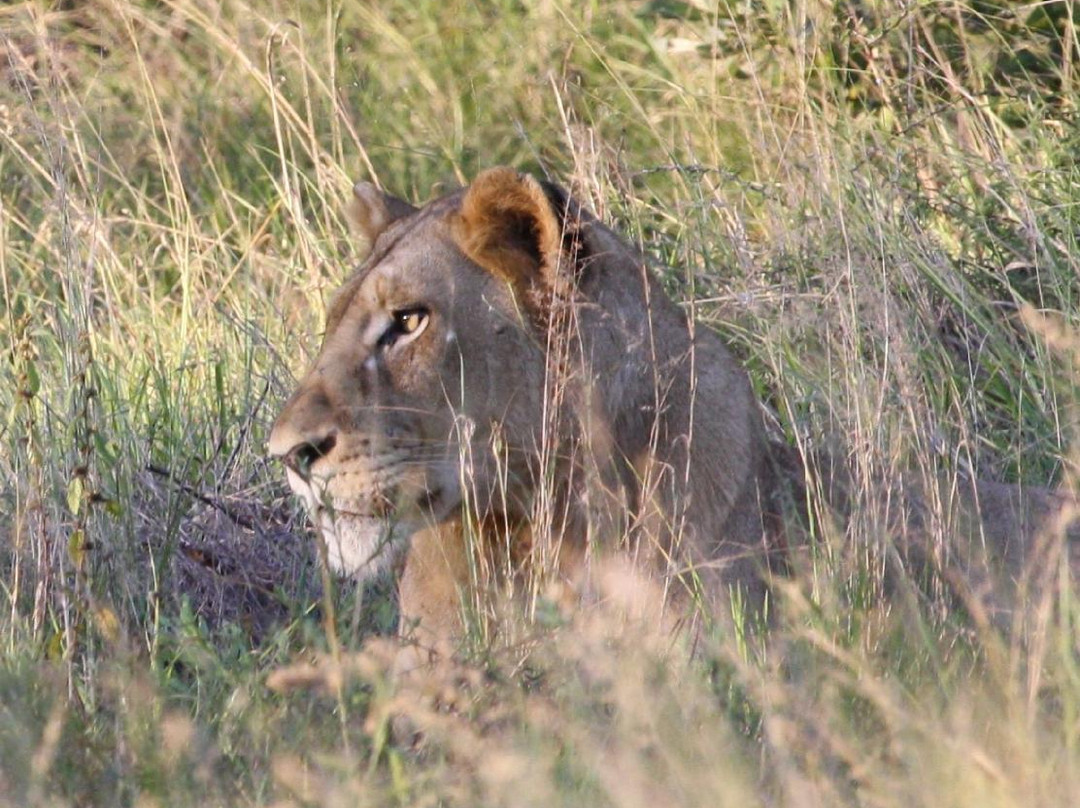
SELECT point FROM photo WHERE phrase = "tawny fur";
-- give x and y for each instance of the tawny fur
(553, 396)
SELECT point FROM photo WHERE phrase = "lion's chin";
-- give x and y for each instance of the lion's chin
(362, 547)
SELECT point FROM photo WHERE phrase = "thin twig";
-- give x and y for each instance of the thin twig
(238, 519)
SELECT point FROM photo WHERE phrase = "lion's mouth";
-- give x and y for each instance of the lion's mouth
(364, 537)
(358, 546)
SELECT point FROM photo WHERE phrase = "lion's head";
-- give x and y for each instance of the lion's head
(428, 389)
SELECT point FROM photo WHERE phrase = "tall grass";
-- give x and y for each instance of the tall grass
(861, 196)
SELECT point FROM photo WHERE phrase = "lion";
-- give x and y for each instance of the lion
(503, 386)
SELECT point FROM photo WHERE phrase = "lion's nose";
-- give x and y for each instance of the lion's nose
(302, 456)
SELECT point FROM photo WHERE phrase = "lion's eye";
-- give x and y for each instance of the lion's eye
(405, 324)
(409, 321)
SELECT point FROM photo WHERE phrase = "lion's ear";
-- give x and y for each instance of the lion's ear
(508, 225)
(371, 211)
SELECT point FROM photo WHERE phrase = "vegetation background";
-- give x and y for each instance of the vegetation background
(876, 202)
